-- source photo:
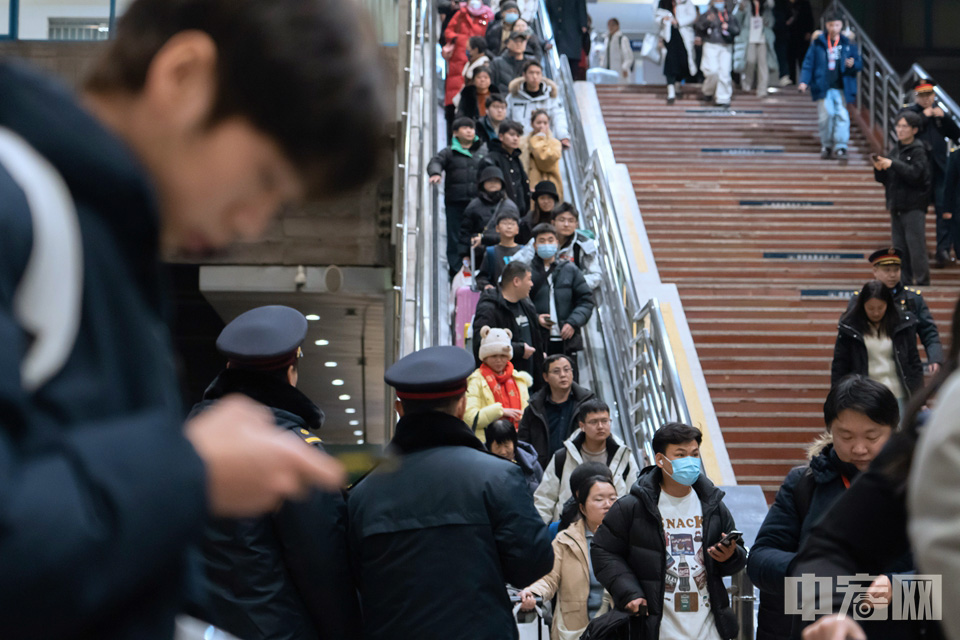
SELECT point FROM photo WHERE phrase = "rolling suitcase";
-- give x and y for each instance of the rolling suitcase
(531, 624)
(466, 305)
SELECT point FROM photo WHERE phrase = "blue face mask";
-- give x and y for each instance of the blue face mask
(510, 18)
(719, 6)
(546, 251)
(685, 470)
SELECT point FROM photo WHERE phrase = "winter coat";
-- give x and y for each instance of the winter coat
(470, 67)
(540, 154)
(911, 300)
(618, 54)
(492, 311)
(805, 496)
(515, 182)
(934, 134)
(505, 68)
(497, 43)
(461, 166)
(569, 581)
(534, 427)
(487, 132)
(283, 576)
(480, 217)
(482, 409)
(572, 298)
(102, 492)
(467, 104)
(437, 531)
(569, 19)
(526, 457)
(581, 251)
(521, 105)
(908, 180)
(462, 26)
(686, 14)
(744, 13)
(815, 74)
(850, 354)
(554, 489)
(629, 551)
(709, 27)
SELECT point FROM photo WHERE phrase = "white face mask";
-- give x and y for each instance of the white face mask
(474, 4)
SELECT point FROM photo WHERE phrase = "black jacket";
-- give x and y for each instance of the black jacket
(460, 184)
(492, 312)
(468, 107)
(911, 300)
(533, 425)
(951, 181)
(505, 68)
(629, 552)
(283, 576)
(569, 19)
(515, 183)
(495, 36)
(572, 296)
(908, 180)
(102, 495)
(486, 132)
(934, 133)
(850, 354)
(438, 531)
(805, 496)
(480, 216)
(526, 459)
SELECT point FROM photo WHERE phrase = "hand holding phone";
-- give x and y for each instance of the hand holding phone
(731, 538)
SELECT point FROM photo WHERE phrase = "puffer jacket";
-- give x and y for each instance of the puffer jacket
(570, 582)
(505, 68)
(554, 489)
(482, 409)
(581, 250)
(520, 106)
(629, 551)
(850, 354)
(909, 178)
(462, 26)
(815, 73)
(534, 427)
(515, 181)
(540, 154)
(572, 297)
(805, 496)
(461, 167)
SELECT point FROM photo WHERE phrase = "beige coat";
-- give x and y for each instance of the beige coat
(481, 406)
(570, 578)
(540, 155)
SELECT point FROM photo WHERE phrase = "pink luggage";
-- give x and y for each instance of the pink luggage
(466, 306)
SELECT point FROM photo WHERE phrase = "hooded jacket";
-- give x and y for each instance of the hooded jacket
(460, 165)
(815, 73)
(482, 409)
(526, 458)
(805, 496)
(284, 576)
(850, 354)
(492, 311)
(534, 427)
(629, 551)
(554, 489)
(481, 214)
(909, 178)
(515, 181)
(521, 105)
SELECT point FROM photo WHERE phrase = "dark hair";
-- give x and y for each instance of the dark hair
(570, 512)
(540, 112)
(617, 22)
(501, 432)
(857, 316)
(506, 215)
(564, 207)
(832, 16)
(484, 69)
(495, 97)
(555, 358)
(442, 405)
(593, 405)
(463, 121)
(666, 5)
(514, 269)
(544, 227)
(674, 433)
(306, 73)
(863, 395)
(587, 485)
(530, 62)
(477, 42)
(511, 125)
(912, 117)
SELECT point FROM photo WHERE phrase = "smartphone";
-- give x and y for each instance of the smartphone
(874, 156)
(732, 537)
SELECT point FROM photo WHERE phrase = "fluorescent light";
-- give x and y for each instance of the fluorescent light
(337, 383)
(360, 441)
(350, 410)
(321, 343)
(358, 433)
(330, 364)
(354, 423)
(344, 397)
(312, 317)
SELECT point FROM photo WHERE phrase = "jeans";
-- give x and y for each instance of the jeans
(908, 234)
(834, 120)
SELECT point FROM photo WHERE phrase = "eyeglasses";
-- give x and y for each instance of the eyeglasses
(604, 422)
(564, 370)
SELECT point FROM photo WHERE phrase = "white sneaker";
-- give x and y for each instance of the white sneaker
(785, 81)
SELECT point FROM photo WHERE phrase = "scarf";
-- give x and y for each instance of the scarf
(504, 387)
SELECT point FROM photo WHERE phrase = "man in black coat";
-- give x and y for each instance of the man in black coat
(442, 526)
(283, 576)
(659, 546)
(569, 20)
(510, 308)
(936, 128)
(551, 413)
(504, 154)
(506, 67)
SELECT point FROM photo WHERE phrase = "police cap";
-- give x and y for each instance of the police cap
(431, 374)
(264, 338)
(887, 255)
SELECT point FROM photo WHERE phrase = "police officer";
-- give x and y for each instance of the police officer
(282, 576)
(886, 269)
(442, 525)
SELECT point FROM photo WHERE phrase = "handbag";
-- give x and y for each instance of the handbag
(651, 48)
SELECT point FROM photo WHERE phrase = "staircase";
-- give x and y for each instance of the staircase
(761, 238)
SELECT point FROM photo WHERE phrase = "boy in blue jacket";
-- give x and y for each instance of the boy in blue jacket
(830, 72)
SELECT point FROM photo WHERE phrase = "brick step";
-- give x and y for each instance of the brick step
(781, 452)
(759, 395)
(753, 382)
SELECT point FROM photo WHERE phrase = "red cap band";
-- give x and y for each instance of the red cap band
(922, 88)
(434, 395)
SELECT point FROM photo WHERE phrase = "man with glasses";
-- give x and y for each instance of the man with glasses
(592, 442)
(550, 416)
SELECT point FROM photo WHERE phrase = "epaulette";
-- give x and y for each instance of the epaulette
(308, 437)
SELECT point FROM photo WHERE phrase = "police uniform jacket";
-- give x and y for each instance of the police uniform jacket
(850, 354)
(284, 576)
(100, 492)
(911, 300)
(438, 531)
(934, 133)
(629, 552)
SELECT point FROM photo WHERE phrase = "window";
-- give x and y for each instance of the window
(4, 18)
(62, 19)
(78, 29)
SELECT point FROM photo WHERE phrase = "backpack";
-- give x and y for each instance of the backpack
(47, 300)
(803, 492)
(560, 460)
